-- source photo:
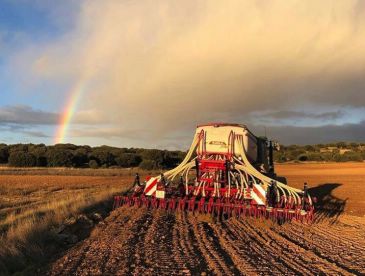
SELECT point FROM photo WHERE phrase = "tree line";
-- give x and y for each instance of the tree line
(69, 155)
(332, 152)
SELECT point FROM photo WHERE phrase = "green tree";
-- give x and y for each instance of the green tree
(4, 154)
(103, 156)
(279, 156)
(351, 156)
(127, 160)
(362, 155)
(154, 154)
(22, 159)
(294, 153)
(59, 158)
(39, 151)
(148, 165)
(340, 145)
(18, 147)
(314, 156)
(302, 157)
(93, 164)
(309, 148)
(80, 157)
(65, 146)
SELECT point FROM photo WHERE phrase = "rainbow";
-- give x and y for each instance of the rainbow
(69, 111)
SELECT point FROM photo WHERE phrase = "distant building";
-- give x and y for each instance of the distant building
(343, 151)
(328, 149)
(334, 149)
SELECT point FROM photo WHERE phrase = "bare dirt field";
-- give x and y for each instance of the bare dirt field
(154, 242)
(339, 187)
(139, 241)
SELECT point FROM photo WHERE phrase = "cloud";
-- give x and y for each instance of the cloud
(23, 115)
(314, 135)
(26, 115)
(106, 133)
(38, 134)
(27, 132)
(284, 134)
(289, 114)
(165, 66)
(302, 118)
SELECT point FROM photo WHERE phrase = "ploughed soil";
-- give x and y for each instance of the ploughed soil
(339, 187)
(137, 241)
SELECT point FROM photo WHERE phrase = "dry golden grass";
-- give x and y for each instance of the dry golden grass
(31, 204)
(117, 171)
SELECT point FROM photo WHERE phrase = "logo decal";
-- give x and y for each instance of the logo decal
(218, 143)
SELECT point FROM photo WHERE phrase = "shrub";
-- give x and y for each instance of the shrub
(4, 154)
(351, 156)
(93, 164)
(40, 154)
(156, 155)
(314, 156)
(148, 165)
(279, 156)
(103, 156)
(80, 157)
(309, 148)
(127, 160)
(293, 154)
(302, 157)
(363, 155)
(22, 159)
(18, 147)
(59, 158)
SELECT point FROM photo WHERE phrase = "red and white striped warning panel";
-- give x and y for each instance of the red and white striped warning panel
(151, 186)
(258, 194)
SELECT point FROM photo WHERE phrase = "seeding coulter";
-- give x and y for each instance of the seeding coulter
(227, 171)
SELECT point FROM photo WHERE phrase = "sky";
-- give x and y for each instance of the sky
(145, 73)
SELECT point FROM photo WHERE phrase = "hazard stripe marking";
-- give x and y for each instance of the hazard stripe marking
(259, 191)
(258, 194)
(152, 190)
(151, 186)
(257, 199)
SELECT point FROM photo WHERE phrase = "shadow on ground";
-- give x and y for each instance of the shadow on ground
(327, 206)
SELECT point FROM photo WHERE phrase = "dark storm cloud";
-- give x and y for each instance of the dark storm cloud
(108, 133)
(37, 134)
(313, 135)
(23, 131)
(26, 115)
(23, 115)
(286, 114)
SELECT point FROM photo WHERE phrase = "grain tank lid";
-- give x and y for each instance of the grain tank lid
(227, 125)
(222, 124)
